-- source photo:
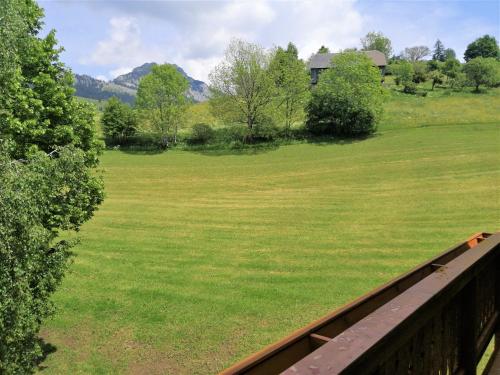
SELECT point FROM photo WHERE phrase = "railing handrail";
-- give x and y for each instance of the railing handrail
(359, 349)
(279, 356)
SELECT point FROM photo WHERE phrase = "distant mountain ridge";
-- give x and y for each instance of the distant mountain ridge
(125, 86)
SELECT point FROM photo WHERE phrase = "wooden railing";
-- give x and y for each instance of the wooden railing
(437, 319)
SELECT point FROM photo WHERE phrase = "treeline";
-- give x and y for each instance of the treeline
(260, 95)
(443, 69)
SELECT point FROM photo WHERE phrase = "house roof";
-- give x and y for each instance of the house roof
(324, 60)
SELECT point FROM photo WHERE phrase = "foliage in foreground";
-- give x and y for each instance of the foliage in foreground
(348, 99)
(47, 151)
(38, 198)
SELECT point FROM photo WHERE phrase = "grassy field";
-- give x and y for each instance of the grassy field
(196, 260)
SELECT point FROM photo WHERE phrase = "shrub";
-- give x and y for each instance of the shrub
(119, 121)
(143, 141)
(201, 134)
(403, 72)
(419, 72)
(410, 88)
(348, 99)
(231, 134)
(458, 82)
(265, 131)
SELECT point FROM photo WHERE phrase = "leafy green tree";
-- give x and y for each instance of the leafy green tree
(38, 109)
(119, 121)
(451, 67)
(439, 51)
(47, 184)
(292, 82)
(241, 86)
(403, 72)
(348, 100)
(437, 78)
(162, 94)
(486, 46)
(482, 71)
(377, 41)
(39, 197)
(419, 71)
(324, 49)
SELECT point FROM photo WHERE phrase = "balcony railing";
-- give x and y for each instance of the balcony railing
(437, 319)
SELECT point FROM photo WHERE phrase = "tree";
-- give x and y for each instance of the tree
(162, 94)
(439, 51)
(377, 41)
(451, 67)
(118, 120)
(241, 86)
(403, 72)
(416, 53)
(348, 100)
(436, 77)
(39, 111)
(449, 53)
(324, 49)
(419, 72)
(292, 81)
(486, 46)
(482, 71)
(48, 149)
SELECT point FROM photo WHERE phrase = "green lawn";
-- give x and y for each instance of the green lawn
(196, 260)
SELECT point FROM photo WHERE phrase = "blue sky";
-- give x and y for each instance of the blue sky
(105, 38)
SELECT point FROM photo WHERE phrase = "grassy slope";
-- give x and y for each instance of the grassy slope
(196, 260)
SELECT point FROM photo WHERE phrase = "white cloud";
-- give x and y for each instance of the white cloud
(123, 48)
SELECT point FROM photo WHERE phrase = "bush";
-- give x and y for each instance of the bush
(119, 121)
(403, 72)
(347, 102)
(342, 118)
(200, 134)
(144, 141)
(410, 88)
(265, 130)
(419, 72)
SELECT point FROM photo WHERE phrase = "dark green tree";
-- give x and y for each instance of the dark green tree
(486, 46)
(118, 120)
(348, 99)
(439, 51)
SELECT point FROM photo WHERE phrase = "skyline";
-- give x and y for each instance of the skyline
(105, 38)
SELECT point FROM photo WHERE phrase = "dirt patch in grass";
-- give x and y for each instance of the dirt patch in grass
(134, 357)
(77, 342)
